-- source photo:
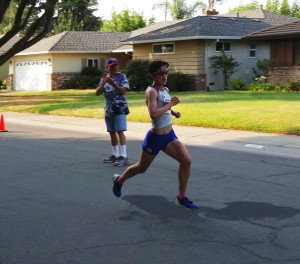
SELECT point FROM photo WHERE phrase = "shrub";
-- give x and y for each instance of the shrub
(292, 86)
(83, 82)
(263, 66)
(137, 74)
(91, 71)
(179, 82)
(89, 78)
(260, 87)
(237, 84)
(3, 84)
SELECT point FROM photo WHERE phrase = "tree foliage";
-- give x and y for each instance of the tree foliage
(225, 64)
(77, 16)
(125, 21)
(66, 22)
(179, 9)
(33, 30)
(274, 6)
(285, 8)
(254, 5)
(295, 9)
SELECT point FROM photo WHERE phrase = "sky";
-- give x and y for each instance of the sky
(106, 7)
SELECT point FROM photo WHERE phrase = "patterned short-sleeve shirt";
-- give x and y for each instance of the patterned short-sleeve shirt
(115, 102)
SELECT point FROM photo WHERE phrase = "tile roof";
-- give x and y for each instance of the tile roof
(202, 27)
(79, 41)
(265, 16)
(9, 43)
(290, 30)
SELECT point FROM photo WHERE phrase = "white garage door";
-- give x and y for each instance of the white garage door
(31, 75)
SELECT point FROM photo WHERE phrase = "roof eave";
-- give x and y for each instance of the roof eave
(273, 36)
(182, 39)
(61, 52)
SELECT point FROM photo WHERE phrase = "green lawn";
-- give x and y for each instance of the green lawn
(271, 112)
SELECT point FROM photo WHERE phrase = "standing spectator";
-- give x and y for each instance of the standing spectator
(161, 136)
(114, 85)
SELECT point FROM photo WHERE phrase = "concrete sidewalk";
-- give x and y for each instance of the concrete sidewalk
(271, 144)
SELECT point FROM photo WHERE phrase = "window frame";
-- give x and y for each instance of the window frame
(223, 46)
(163, 48)
(252, 50)
(93, 60)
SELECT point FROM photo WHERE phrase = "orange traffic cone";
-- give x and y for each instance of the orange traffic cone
(2, 125)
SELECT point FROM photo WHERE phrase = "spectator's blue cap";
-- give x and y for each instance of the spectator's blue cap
(112, 61)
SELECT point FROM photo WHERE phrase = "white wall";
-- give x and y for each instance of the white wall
(239, 51)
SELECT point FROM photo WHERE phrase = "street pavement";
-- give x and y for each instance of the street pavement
(57, 206)
(273, 144)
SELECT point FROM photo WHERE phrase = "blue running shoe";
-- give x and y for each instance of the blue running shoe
(185, 202)
(117, 186)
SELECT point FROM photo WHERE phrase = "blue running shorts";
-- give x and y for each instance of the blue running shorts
(153, 143)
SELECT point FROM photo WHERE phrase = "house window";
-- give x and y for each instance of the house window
(223, 46)
(252, 50)
(93, 63)
(163, 48)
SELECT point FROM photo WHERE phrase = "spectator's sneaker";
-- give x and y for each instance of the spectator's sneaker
(110, 159)
(117, 186)
(185, 202)
(121, 161)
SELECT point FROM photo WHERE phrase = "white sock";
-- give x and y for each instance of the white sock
(116, 150)
(123, 151)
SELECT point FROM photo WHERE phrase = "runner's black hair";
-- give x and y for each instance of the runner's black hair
(156, 65)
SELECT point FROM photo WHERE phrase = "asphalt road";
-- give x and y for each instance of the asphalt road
(57, 206)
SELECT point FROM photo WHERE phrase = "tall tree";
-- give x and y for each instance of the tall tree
(125, 21)
(8, 18)
(211, 3)
(285, 8)
(272, 6)
(295, 9)
(78, 13)
(254, 5)
(268, 5)
(66, 22)
(179, 9)
(35, 30)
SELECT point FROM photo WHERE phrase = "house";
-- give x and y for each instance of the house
(4, 48)
(51, 62)
(284, 49)
(262, 15)
(186, 44)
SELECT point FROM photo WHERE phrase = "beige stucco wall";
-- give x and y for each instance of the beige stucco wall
(4, 71)
(28, 58)
(61, 62)
(188, 58)
(62, 67)
(73, 62)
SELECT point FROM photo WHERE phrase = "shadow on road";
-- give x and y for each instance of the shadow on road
(233, 211)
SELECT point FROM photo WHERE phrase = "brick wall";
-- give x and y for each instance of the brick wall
(283, 74)
(10, 83)
(199, 82)
(60, 80)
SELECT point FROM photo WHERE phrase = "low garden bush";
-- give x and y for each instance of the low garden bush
(137, 74)
(89, 78)
(179, 82)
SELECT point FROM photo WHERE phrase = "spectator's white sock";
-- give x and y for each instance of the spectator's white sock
(123, 151)
(116, 150)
